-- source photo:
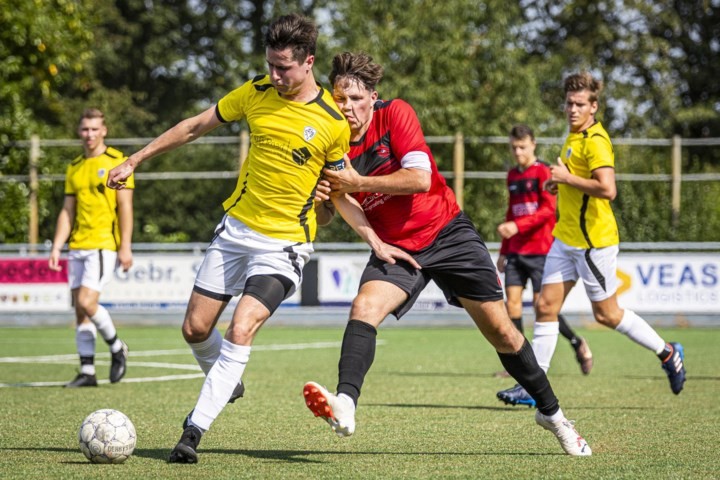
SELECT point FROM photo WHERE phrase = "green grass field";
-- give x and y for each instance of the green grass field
(428, 409)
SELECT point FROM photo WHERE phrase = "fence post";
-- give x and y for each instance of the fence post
(459, 167)
(676, 178)
(244, 147)
(33, 198)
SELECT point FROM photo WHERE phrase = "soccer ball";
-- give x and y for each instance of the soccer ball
(107, 436)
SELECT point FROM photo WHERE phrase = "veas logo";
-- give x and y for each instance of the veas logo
(301, 155)
(625, 282)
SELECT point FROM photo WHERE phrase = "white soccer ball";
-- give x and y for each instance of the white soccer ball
(107, 436)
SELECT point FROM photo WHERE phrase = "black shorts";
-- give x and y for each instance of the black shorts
(521, 268)
(457, 261)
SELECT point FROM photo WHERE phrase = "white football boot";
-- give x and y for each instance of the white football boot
(338, 411)
(570, 440)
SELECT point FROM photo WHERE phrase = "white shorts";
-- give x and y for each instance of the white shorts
(596, 266)
(91, 268)
(238, 252)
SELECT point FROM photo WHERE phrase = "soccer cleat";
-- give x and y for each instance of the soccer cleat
(674, 366)
(186, 449)
(119, 362)
(584, 356)
(237, 393)
(570, 440)
(516, 396)
(339, 412)
(82, 380)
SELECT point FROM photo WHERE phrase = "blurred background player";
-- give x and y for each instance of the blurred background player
(393, 175)
(99, 223)
(527, 236)
(265, 237)
(586, 239)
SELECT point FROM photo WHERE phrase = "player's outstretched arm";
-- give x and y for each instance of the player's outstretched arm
(125, 220)
(353, 214)
(184, 132)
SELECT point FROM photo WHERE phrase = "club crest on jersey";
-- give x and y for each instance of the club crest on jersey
(309, 133)
(568, 153)
(101, 172)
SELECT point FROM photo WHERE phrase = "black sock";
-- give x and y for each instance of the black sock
(112, 340)
(87, 360)
(356, 357)
(567, 332)
(518, 323)
(524, 368)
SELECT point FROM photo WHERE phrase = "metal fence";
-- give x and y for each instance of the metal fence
(457, 176)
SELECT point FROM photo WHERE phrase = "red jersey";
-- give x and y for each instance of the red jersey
(408, 221)
(532, 209)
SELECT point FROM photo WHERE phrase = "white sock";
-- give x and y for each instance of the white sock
(105, 326)
(348, 399)
(208, 351)
(545, 336)
(85, 335)
(555, 417)
(220, 383)
(638, 330)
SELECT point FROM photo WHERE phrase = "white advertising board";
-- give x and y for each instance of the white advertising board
(672, 283)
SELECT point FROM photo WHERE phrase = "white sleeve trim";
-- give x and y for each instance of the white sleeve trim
(419, 160)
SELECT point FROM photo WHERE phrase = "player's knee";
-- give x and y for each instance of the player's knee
(608, 317)
(194, 331)
(544, 308)
(368, 309)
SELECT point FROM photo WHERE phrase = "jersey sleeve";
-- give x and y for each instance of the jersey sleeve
(232, 107)
(341, 144)
(599, 152)
(405, 130)
(69, 189)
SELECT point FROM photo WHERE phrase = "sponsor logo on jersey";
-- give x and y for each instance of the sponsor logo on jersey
(301, 155)
(309, 133)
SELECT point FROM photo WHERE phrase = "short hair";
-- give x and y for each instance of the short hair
(518, 132)
(90, 113)
(356, 66)
(293, 31)
(584, 81)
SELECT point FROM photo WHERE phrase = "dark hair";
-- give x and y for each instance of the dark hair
(584, 81)
(92, 113)
(357, 66)
(293, 31)
(518, 132)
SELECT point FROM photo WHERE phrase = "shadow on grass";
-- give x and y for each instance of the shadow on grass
(440, 406)
(304, 456)
(290, 456)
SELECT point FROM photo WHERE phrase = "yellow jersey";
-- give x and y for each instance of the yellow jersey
(290, 142)
(585, 221)
(96, 222)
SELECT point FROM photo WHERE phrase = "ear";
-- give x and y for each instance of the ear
(594, 107)
(310, 60)
(374, 96)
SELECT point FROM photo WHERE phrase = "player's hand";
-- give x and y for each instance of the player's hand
(322, 192)
(551, 187)
(54, 261)
(119, 175)
(507, 229)
(125, 258)
(559, 173)
(347, 180)
(389, 254)
(502, 260)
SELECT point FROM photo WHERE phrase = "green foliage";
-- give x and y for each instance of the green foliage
(464, 66)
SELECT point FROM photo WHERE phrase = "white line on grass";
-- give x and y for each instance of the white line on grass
(72, 358)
